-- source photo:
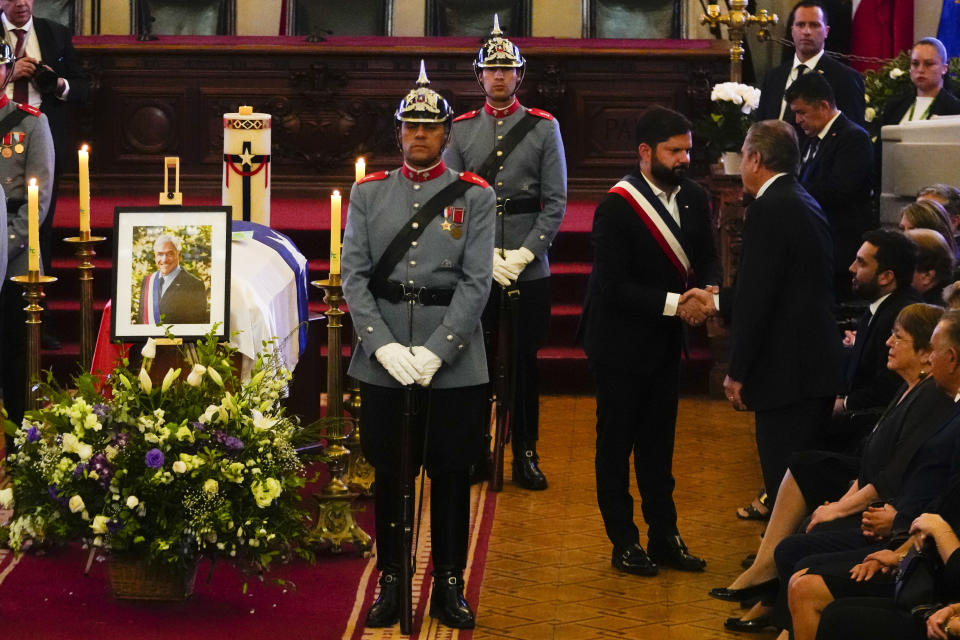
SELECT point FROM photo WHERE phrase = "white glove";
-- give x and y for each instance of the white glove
(427, 362)
(502, 272)
(399, 362)
(518, 259)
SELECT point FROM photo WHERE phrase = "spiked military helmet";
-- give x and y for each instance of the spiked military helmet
(497, 51)
(423, 104)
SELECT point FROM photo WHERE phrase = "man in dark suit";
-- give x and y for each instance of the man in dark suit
(785, 354)
(47, 75)
(881, 273)
(171, 295)
(835, 168)
(809, 32)
(651, 239)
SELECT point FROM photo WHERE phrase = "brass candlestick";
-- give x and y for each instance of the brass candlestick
(32, 284)
(84, 251)
(335, 500)
(737, 20)
(360, 473)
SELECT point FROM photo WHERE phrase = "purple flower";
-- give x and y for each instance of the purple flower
(78, 470)
(154, 458)
(120, 440)
(198, 426)
(232, 442)
(33, 434)
(101, 409)
(114, 526)
(52, 491)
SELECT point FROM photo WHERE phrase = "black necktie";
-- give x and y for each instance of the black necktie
(808, 157)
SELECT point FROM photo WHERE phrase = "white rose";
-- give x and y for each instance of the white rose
(84, 450)
(70, 443)
(179, 466)
(145, 382)
(99, 524)
(132, 502)
(76, 504)
(6, 498)
(895, 73)
(196, 375)
(869, 114)
(150, 349)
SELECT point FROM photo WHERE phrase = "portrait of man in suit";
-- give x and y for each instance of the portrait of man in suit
(171, 294)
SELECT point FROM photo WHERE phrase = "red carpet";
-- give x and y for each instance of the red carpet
(48, 597)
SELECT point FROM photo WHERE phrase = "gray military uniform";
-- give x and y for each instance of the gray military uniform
(438, 259)
(536, 168)
(34, 160)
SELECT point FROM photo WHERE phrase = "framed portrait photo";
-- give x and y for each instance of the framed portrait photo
(171, 270)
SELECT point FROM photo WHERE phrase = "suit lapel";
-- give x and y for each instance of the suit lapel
(44, 39)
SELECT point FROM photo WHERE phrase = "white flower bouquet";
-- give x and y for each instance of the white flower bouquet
(726, 126)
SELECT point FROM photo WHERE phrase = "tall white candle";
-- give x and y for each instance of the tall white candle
(335, 233)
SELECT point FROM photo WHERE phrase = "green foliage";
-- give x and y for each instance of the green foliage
(202, 466)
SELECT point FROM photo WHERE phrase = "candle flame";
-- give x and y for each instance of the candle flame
(336, 192)
(33, 182)
(84, 148)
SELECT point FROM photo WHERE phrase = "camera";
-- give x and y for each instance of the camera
(45, 79)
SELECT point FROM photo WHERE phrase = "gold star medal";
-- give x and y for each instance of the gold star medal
(445, 225)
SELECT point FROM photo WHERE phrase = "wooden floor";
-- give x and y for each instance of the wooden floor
(548, 573)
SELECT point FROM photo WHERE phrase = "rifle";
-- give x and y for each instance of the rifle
(502, 414)
(407, 496)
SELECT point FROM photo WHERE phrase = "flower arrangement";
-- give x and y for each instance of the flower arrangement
(891, 79)
(726, 126)
(201, 465)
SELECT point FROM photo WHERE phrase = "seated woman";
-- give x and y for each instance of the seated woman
(928, 214)
(832, 481)
(865, 606)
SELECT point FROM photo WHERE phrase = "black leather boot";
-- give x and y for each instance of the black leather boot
(385, 610)
(447, 603)
(526, 472)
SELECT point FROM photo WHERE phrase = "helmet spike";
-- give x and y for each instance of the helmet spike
(423, 81)
(496, 26)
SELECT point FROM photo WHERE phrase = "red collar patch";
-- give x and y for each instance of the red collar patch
(502, 113)
(417, 175)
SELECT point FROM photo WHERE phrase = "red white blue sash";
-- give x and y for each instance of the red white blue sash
(654, 219)
(150, 299)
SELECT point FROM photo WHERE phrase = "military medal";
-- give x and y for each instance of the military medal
(453, 221)
(7, 152)
(18, 148)
(14, 138)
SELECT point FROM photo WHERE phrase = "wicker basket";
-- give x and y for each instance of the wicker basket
(132, 578)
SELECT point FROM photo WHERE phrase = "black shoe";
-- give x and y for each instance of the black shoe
(385, 610)
(672, 552)
(526, 472)
(756, 625)
(482, 470)
(748, 561)
(762, 590)
(447, 603)
(633, 559)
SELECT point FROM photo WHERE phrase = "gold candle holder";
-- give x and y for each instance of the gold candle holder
(32, 284)
(85, 253)
(335, 501)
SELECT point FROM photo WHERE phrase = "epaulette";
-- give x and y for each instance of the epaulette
(540, 113)
(473, 178)
(31, 110)
(467, 115)
(370, 177)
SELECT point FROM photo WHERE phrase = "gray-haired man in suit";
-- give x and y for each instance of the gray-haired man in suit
(416, 274)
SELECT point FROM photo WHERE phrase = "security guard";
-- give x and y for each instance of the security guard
(416, 274)
(26, 151)
(520, 152)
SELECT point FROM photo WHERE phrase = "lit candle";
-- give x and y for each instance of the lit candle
(361, 169)
(84, 179)
(33, 226)
(335, 233)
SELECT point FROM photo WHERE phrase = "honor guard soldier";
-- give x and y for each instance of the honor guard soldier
(26, 151)
(416, 275)
(519, 151)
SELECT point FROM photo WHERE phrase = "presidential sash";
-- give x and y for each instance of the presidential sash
(658, 221)
(150, 299)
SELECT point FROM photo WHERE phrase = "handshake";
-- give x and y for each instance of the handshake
(407, 365)
(696, 305)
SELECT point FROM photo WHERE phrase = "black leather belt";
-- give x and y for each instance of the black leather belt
(512, 206)
(396, 292)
